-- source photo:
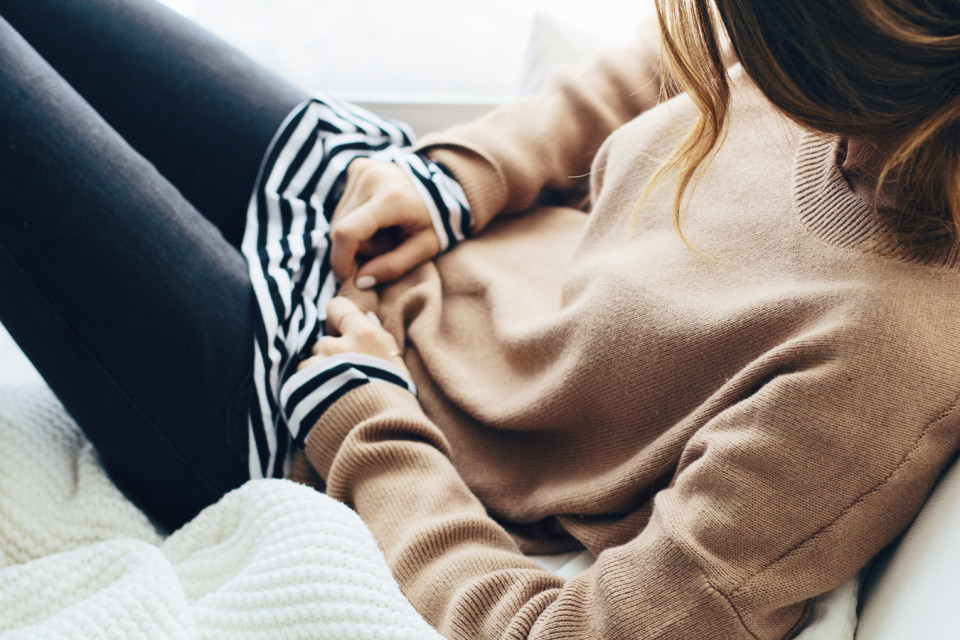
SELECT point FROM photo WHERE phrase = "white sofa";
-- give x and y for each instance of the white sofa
(913, 590)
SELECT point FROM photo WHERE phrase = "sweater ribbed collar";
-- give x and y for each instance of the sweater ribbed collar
(831, 210)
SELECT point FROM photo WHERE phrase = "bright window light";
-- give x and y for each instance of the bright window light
(186, 7)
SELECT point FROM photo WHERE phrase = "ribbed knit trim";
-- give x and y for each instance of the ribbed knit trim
(828, 207)
(350, 410)
(478, 175)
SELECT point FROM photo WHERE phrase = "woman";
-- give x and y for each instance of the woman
(735, 423)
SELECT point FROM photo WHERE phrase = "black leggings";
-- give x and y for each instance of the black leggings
(131, 141)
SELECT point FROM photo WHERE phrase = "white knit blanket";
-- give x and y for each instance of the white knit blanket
(272, 559)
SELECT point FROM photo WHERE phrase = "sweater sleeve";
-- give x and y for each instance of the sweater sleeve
(505, 159)
(766, 510)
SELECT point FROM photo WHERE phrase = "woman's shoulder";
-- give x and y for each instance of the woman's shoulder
(896, 339)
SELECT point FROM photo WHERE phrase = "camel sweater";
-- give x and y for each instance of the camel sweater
(733, 429)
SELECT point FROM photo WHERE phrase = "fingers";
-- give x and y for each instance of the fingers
(350, 231)
(417, 249)
(380, 208)
(382, 241)
(344, 317)
(358, 333)
(358, 217)
(330, 346)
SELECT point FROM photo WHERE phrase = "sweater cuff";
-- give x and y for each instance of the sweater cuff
(309, 394)
(352, 408)
(482, 182)
(441, 193)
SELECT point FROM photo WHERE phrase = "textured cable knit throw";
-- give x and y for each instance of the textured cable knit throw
(272, 559)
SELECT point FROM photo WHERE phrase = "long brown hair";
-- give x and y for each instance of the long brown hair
(871, 69)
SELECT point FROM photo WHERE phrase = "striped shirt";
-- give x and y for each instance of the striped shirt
(287, 246)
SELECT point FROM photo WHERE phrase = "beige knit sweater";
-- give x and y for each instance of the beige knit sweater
(734, 429)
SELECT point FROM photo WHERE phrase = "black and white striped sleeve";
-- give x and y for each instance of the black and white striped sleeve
(442, 194)
(287, 245)
(309, 392)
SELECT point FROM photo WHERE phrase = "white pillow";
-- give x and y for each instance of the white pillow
(554, 43)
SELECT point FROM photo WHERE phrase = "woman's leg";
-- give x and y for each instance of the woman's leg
(199, 110)
(130, 303)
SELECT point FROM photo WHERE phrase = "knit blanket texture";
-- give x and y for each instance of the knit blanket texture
(272, 559)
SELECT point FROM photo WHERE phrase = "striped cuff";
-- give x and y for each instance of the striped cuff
(308, 393)
(442, 194)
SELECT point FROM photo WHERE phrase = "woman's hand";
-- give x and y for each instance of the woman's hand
(381, 216)
(354, 331)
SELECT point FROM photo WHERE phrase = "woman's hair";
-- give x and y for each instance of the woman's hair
(879, 70)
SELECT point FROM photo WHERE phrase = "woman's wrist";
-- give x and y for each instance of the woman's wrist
(442, 194)
(325, 438)
(310, 392)
(483, 184)
(357, 350)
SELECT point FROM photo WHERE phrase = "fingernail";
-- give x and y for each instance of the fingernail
(373, 316)
(366, 282)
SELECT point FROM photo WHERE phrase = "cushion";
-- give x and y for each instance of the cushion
(912, 590)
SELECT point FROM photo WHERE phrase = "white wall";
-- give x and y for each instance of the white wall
(469, 50)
